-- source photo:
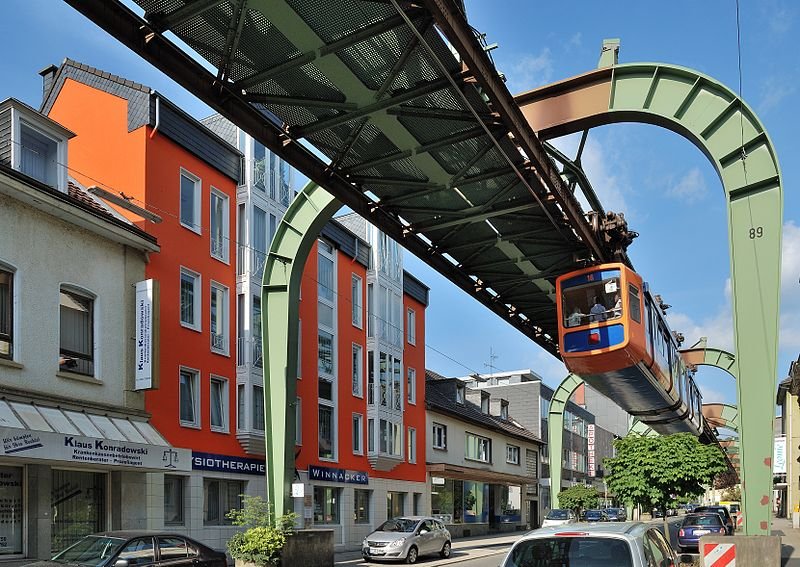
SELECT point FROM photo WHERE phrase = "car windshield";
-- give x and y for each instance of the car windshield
(705, 520)
(557, 514)
(718, 510)
(406, 525)
(613, 511)
(593, 513)
(573, 551)
(91, 550)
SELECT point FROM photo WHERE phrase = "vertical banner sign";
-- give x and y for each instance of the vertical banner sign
(143, 361)
(590, 438)
(779, 456)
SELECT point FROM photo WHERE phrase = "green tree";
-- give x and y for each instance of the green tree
(654, 471)
(578, 497)
(734, 494)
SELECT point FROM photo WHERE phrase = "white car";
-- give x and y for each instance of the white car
(558, 517)
(621, 544)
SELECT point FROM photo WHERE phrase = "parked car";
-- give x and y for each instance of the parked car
(621, 544)
(656, 513)
(616, 514)
(696, 525)
(558, 517)
(406, 538)
(596, 516)
(672, 512)
(723, 512)
(131, 548)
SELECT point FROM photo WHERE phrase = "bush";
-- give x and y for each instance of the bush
(262, 542)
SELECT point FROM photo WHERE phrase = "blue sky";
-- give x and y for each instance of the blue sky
(668, 191)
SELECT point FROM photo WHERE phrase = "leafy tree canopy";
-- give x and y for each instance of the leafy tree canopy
(734, 494)
(578, 497)
(652, 471)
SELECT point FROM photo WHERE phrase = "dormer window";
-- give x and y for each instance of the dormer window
(461, 393)
(503, 410)
(38, 145)
(484, 403)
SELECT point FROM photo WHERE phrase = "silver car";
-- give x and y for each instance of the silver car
(406, 538)
(623, 544)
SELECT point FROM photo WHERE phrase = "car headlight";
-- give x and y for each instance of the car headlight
(397, 542)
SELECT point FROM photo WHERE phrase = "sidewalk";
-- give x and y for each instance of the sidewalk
(790, 541)
(463, 549)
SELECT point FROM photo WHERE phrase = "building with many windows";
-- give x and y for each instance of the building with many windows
(77, 446)
(483, 466)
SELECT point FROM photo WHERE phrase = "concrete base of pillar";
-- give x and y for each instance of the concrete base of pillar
(749, 550)
(309, 548)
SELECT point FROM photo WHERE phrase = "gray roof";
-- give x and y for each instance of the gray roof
(440, 395)
(222, 127)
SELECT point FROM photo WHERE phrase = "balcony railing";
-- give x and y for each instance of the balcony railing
(218, 248)
(250, 262)
(249, 353)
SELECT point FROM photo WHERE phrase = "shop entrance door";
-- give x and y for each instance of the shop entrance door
(78, 503)
(532, 516)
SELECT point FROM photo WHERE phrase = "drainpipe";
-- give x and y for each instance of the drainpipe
(158, 114)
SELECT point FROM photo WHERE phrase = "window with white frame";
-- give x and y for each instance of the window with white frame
(40, 153)
(512, 454)
(327, 432)
(190, 201)
(76, 341)
(241, 407)
(504, 410)
(461, 393)
(190, 299)
(219, 322)
(219, 404)
(358, 370)
(391, 437)
(220, 235)
(411, 385)
(356, 294)
(6, 312)
(258, 408)
(189, 397)
(439, 436)
(173, 500)
(219, 498)
(411, 327)
(358, 434)
(478, 448)
(412, 445)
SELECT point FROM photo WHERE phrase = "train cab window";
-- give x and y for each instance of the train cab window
(591, 298)
(634, 303)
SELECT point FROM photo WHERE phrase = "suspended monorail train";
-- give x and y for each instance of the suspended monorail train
(614, 335)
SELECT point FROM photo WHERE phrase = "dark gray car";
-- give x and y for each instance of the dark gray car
(406, 538)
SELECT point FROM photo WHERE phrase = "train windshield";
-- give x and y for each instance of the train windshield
(591, 297)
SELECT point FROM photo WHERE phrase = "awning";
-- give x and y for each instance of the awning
(43, 433)
(482, 475)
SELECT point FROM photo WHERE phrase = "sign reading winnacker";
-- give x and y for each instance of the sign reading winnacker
(337, 475)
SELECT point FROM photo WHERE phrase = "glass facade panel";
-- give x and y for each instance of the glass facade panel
(11, 511)
(326, 505)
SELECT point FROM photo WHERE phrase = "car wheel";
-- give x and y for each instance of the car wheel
(445, 552)
(412, 555)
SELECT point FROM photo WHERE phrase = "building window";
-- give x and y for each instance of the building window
(41, 156)
(81, 515)
(361, 506)
(298, 421)
(173, 500)
(220, 241)
(241, 407)
(273, 227)
(417, 511)
(219, 498)
(484, 403)
(219, 318)
(12, 497)
(512, 454)
(411, 327)
(327, 449)
(77, 333)
(189, 397)
(358, 434)
(478, 448)
(259, 242)
(257, 347)
(190, 201)
(259, 166)
(395, 504)
(325, 352)
(6, 313)
(258, 408)
(503, 410)
(461, 393)
(411, 386)
(358, 370)
(412, 445)
(326, 505)
(391, 438)
(357, 300)
(439, 436)
(219, 404)
(371, 435)
(190, 299)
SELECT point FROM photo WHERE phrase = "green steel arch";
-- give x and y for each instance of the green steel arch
(722, 415)
(701, 355)
(731, 136)
(555, 431)
(280, 291)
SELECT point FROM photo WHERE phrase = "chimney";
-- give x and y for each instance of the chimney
(48, 74)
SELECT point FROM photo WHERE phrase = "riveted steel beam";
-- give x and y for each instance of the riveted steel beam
(161, 21)
(555, 431)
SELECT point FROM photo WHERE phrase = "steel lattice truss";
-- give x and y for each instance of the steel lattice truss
(430, 147)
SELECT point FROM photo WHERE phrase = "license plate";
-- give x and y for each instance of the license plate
(702, 532)
(376, 551)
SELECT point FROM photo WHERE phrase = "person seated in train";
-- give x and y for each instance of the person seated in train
(575, 319)
(598, 310)
(616, 311)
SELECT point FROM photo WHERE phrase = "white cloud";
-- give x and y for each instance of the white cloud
(780, 18)
(576, 40)
(773, 91)
(528, 71)
(690, 188)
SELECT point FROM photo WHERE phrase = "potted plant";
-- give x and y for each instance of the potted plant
(261, 543)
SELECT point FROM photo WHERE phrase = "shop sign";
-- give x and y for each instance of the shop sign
(144, 367)
(779, 460)
(227, 463)
(590, 446)
(51, 446)
(329, 474)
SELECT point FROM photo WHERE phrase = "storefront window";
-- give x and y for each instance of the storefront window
(361, 506)
(79, 507)
(510, 504)
(10, 511)
(456, 501)
(173, 500)
(442, 499)
(395, 504)
(476, 502)
(326, 505)
(219, 498)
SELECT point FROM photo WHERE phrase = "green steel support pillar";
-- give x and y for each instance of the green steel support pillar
(311, 209)
(555, 431)
(734, 140)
